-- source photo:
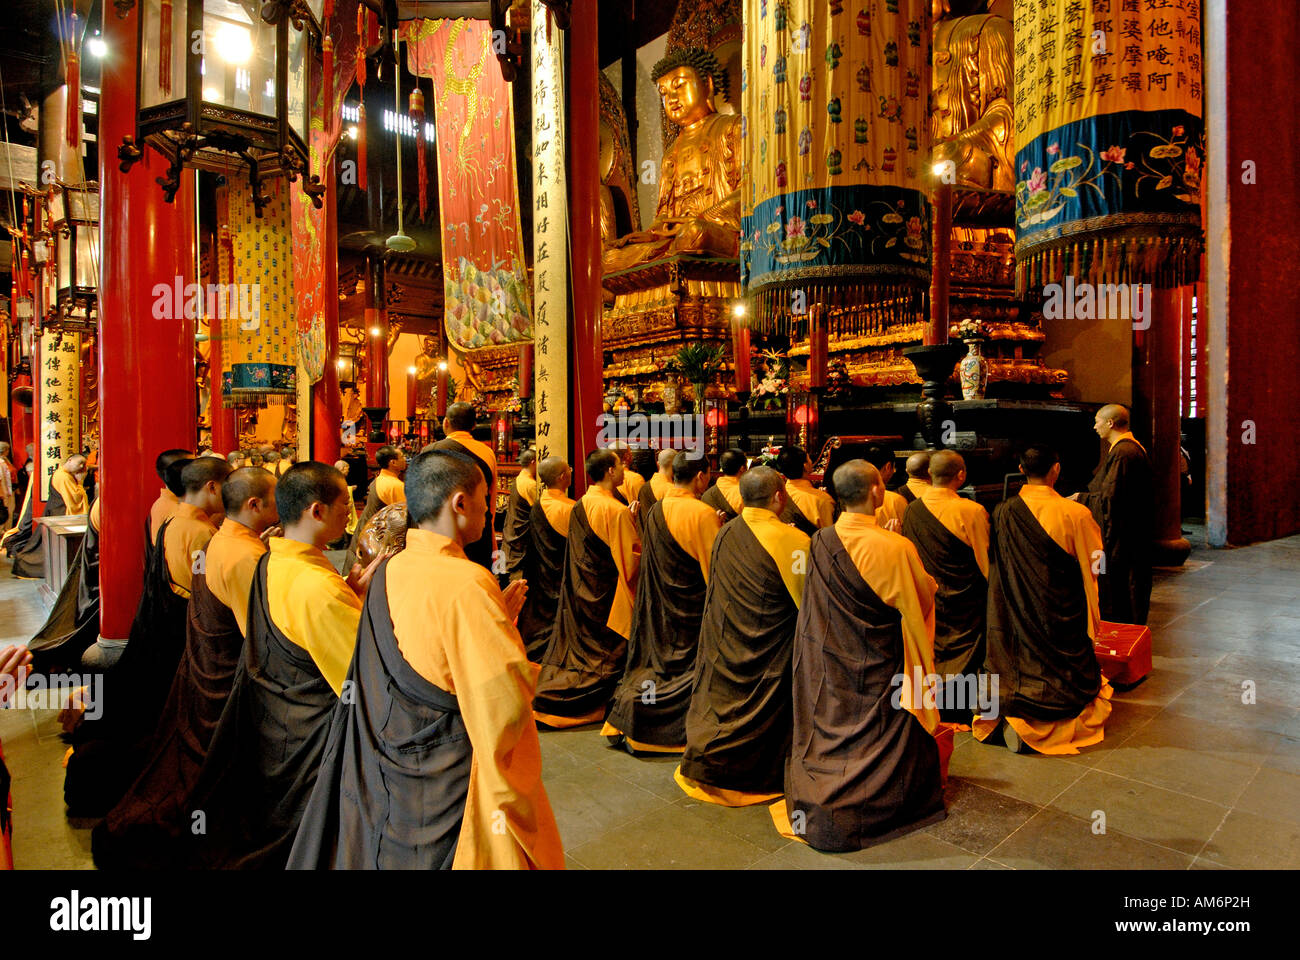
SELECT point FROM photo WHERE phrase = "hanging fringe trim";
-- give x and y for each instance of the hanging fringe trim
(327, 84)
(417, 117)
(1127, 255)
(363, 39)
(74, 99)
(855, 308)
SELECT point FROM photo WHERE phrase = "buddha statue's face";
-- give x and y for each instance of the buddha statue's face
(687, 99)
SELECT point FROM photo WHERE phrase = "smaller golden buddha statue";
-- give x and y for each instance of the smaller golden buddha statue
(699, 178)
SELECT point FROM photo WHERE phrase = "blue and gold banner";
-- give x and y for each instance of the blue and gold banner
(835, 140)
(1111, 143)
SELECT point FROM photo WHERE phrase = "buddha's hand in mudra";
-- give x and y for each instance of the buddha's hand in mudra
(664, 229)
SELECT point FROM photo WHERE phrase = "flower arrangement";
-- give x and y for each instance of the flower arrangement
(774, 384)
(697, 363)
(970, 329)
(839, 383)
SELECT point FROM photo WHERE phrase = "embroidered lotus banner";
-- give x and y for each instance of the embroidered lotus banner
(835, 129)
(1110, 140)
(485, 281)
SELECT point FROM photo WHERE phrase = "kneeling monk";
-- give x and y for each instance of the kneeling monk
(302, 627)
(650, 704)
(739, 721)
(437, 740)
(543, 564)
(1043, 617)
(864, 766)
(588, 649)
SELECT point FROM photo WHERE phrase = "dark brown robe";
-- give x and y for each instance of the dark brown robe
(794, 516)
(73, 624)
(265, 751)
(143, 831)
(651, 700)
(714, 498)
(543, 568)
(738, 724)
(391, 790)
(960, 605)
(645, 496)
(861, 770)
(584, 659)
(1122, 502)
(1037, 632)
(480, 551)
(110, 751)
(515, 538)
(27, 546)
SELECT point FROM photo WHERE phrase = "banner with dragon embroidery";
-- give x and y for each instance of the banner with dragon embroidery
(485, 281)
(311, 299)
(1110, 140)
(835, 126)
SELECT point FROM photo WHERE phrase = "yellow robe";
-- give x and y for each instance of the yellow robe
(613, 524)
(892, 568)
(658, 484)
(313, 606)
(893, 508)
(964, 519)
(918, 487)
(693, 524)
(72, 492)
(631, 485)
(817, 505)
(461, 639)
(186, 539)
(526, 484)
(231, 564)
(557, 505)
(162, 509)
(389, 487)
(729, 487)
(1074, 530)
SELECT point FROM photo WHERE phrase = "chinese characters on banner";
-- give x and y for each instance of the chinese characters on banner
(1109, 137)
(59, 431)
(550, 262)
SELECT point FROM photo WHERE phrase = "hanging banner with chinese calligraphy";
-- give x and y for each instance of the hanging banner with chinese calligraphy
(485, 281)
(835, 205)
(60, 429)
(1110, 140)
(259, 348)
(550, 261)
(311, 299)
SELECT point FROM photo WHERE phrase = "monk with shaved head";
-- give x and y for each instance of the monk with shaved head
(951, 535)
(724, 495)
(738, 721)
(543, 559)
(864, 765)
(918, 475)
(523, 494)
(1122, 501)
(651, 491)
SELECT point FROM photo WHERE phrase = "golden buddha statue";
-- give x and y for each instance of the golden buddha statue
(699, 178)
(971, 122)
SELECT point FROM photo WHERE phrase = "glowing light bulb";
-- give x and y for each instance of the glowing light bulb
(442, 365)
(234, 44)
(738, 310)
(411, 371)
(374, 331)
(97, 46)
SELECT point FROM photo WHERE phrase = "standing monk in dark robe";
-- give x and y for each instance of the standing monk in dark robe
(864, 766)
(650, 703)
(588, 648)
(1122, 502)
(434, 762)
(168, 497)
(457, 425)
(544, 560)
(144, 830)
(951, 534)
(109, 752)
(812, 508)
(724, 496)
(889, 514)
(385, 491)
(301, 632)
(739, 722)
(632, 480)
(654, 488)
(523, 495)
(1043, 618)
(918, 476)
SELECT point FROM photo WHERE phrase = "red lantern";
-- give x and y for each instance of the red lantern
(801, 414)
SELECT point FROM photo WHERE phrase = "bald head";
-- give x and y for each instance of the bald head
(665, 462)
(243, 487)
(947, 469)
(527, 458)
(760, 487)
(552, 472)
(1116, 413)
(75, 463)
(918, 466)
(858, 486)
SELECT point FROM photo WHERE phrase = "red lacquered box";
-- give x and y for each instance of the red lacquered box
(1124, 652)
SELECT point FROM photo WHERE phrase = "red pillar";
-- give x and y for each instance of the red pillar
(225, 429)
(376, 334)
(326, 403)
(584, 211)
(146, 365)
(936, 329)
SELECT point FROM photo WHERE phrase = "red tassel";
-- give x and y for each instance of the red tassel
(417, 117)
(327, 85)
(363, 37)
(74, 99)
(165, 46)
(361, 147)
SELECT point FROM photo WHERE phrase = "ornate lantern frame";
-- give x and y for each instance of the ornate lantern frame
(76, 241)
(191, 130)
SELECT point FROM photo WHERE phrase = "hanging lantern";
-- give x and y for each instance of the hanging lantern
(238, 98)
(76, 237)
(422, 169)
